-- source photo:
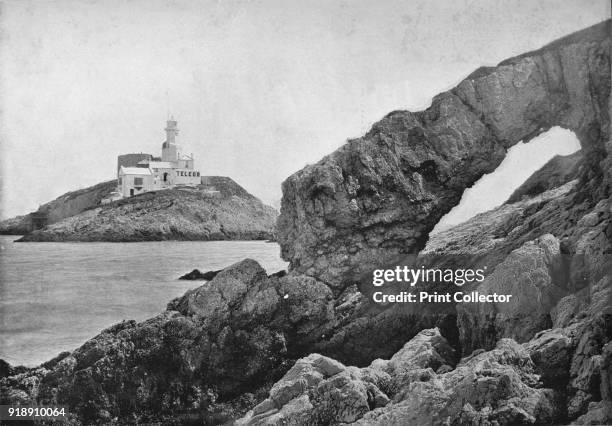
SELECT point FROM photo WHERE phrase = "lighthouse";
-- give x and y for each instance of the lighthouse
(170, 149)
(150, 174)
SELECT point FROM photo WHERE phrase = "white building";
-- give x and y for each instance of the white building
(134, 180)
(152, 174)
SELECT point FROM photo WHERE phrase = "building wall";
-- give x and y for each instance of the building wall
(131, 160)
(127, 183)
(158, 178)
(186, 177)
(185, 164)
(170, 151)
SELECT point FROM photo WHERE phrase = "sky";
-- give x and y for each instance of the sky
(259, 88)
(521, 161)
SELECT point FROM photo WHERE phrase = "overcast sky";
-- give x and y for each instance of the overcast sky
(259, 88)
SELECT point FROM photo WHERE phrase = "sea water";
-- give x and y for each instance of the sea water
(55, 296)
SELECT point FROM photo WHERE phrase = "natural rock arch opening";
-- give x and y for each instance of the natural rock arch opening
(521, 161)
(379, 196)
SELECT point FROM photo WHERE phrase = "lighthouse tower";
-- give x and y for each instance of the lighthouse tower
(170, 149)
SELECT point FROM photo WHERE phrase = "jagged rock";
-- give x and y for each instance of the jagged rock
(534, 275)
(197, 275)
(585, 368)
(444, 369)
(599, 413)
(428, 349)
(606, 372)
(496, 386)
(232, 334)
(317, 390)
(377, 197)
(279, 274)
(8, 370)
(566, 310)
(551, 352)
(320, 390)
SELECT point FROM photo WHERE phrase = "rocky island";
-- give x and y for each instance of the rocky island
(218, 209)
(310, 347)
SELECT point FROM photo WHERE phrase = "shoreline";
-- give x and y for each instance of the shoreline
(80, 289)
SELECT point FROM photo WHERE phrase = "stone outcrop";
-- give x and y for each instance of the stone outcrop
(217, 210)
(574, 360)
(197, 275)
(229, 336)
(487, 238)
(379, 196)
(320, 390)
(497, 386)
(536, 276)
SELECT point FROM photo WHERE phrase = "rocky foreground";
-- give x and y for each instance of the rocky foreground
(310, 347)
(218, 210)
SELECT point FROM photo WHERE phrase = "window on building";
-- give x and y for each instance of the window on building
(137, 181)
(119, 181)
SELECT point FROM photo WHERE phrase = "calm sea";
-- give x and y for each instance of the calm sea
(55, 296)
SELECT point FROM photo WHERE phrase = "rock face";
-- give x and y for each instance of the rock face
(379, 196)
(487, 238)
(229, 213)
(69, 204)
(320, 390)
(497, 386)
(229, 336)
(536, 276)
(375, 200)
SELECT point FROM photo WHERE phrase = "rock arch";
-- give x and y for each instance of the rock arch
(379, 196)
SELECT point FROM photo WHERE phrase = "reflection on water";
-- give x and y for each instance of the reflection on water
(55, 296)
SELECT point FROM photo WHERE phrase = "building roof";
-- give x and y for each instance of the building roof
(161, 165)
(134, 171)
